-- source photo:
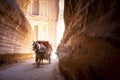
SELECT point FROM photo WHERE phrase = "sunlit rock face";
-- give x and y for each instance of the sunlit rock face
(15, 31)
(23, 4)
(90, 48)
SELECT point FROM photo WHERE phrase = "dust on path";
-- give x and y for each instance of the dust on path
(26, 70)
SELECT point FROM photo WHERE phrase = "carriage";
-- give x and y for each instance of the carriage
(48, 46)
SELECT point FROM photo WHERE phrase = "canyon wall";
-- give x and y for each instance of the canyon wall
(23, 4)
(90, 48)
(15, 30)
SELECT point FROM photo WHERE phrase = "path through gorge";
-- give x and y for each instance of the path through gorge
(25, 70)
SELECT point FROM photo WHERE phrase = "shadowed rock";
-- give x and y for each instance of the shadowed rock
(90, 48)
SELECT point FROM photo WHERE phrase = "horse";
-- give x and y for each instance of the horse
(39, 53)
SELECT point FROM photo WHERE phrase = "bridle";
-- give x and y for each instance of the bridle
(34, 45)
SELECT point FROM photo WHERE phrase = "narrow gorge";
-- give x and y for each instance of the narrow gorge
(89, 48)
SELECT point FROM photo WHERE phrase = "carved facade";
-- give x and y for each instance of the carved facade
(43, 17)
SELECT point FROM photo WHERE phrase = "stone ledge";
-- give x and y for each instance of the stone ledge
(14, 57)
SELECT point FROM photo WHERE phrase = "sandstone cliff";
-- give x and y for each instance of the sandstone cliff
(90, 48)
(15, 30)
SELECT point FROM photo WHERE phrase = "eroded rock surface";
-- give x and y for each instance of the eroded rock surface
(23, 4)
(90, 48)
(15, 30)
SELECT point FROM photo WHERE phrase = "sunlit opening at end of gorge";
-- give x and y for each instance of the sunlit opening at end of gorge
(60, 31)
(47, 22)
(60, 25)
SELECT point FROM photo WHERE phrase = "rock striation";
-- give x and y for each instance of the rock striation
(15, 30)
(23, 4)
(90, 48)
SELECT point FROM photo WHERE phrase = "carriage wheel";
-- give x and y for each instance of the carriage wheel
(49, 60)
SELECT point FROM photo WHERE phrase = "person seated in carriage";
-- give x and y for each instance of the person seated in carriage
(42, 48)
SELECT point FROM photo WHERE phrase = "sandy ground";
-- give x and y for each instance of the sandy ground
(26, 70)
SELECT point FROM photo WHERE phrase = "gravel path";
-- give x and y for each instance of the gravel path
(26, 70)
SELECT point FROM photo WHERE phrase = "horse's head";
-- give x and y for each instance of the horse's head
(34, 45)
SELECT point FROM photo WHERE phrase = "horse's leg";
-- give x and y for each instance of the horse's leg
(38, 63)
(42, 57)
(36, 57)
(42, 61)
(39, 60)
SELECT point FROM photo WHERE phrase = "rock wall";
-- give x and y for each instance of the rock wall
(23, 4)
(90, 48)
(15, 30)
